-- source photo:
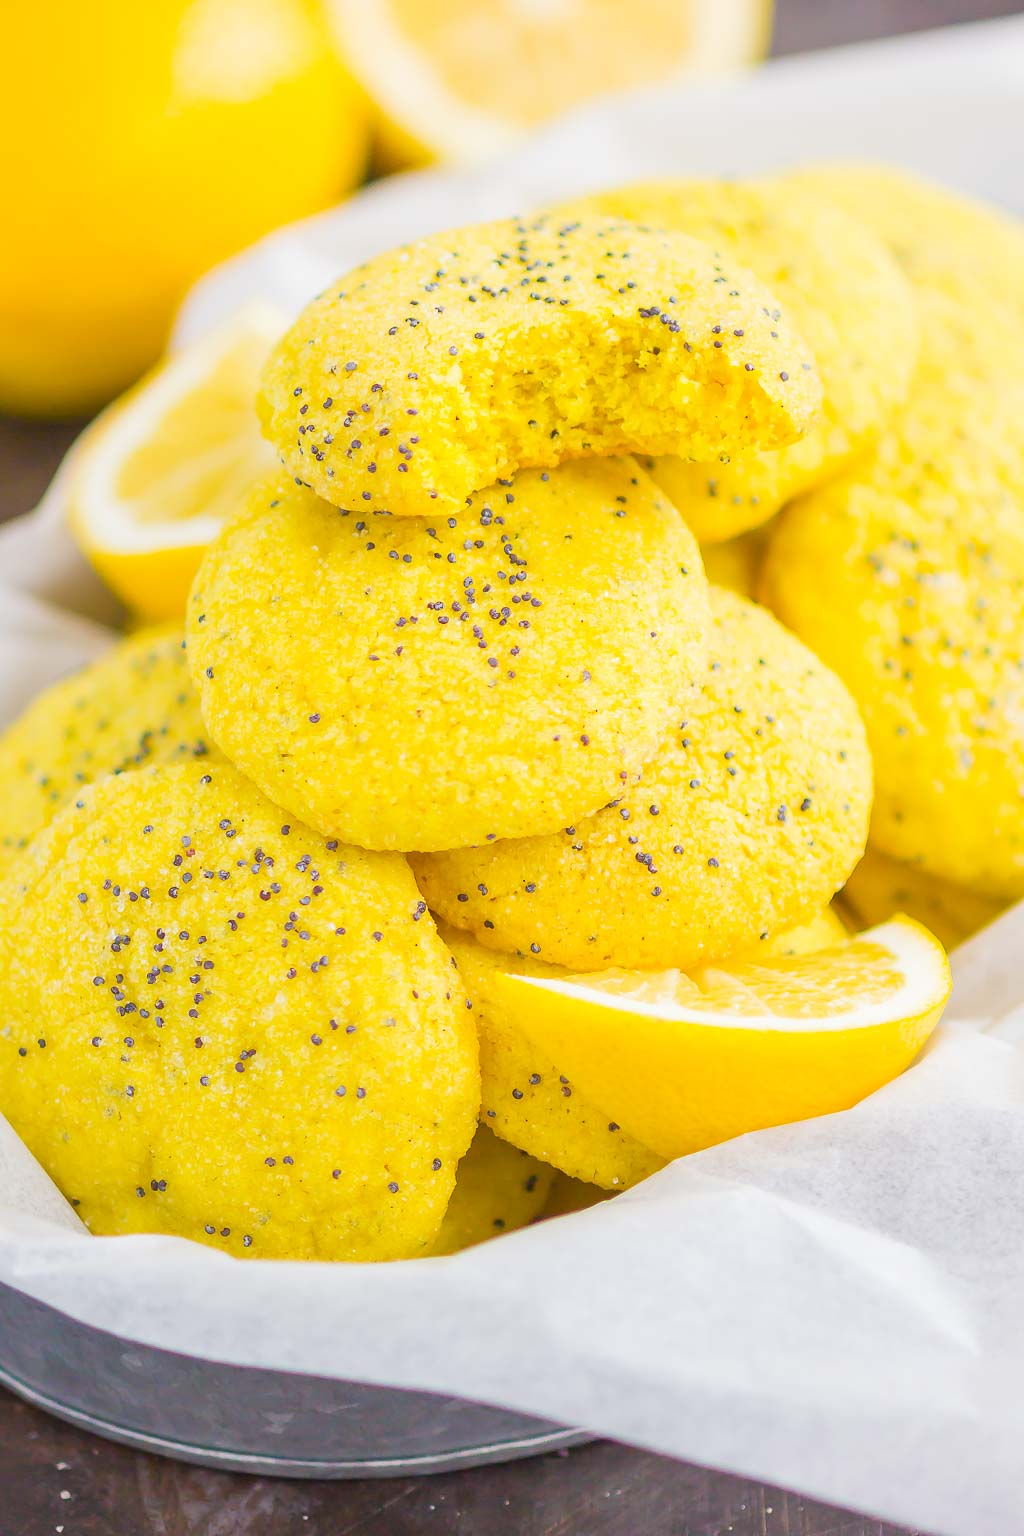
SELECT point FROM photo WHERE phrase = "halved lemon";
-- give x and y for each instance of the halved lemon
(682, 1062)
(153, 478)
(458, 79)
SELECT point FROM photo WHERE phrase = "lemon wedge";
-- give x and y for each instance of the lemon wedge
(682, 1062)
(459, 79)
(153, 478)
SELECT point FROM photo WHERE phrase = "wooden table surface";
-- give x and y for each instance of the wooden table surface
(54, 1479)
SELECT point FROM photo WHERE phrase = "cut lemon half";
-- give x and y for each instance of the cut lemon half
(682, 1062)
(458, 79)
(153, 478)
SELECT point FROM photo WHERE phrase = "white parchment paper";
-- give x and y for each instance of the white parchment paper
(835, 1306)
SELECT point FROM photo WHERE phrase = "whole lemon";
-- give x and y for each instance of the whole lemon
(139, 145)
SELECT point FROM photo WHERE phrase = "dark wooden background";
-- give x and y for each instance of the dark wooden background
(56, 1480)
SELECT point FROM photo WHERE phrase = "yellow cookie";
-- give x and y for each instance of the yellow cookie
(435, 682)
(135, 705)
(964, 259)
(571, 1195)
(497, 1189)
(841, 288)
(881, 887)
(745, 822)
(735, 563)
(907, 575)
(908, 578)
(439, 368)
(821, 932)
(219, 1026)
(525, 1099)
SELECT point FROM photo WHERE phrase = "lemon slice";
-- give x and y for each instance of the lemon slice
(682, 1062)
(459, 79)
(153, 478)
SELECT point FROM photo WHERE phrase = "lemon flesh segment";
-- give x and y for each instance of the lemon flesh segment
(682, 1062)
(153, 479)
(460, 79)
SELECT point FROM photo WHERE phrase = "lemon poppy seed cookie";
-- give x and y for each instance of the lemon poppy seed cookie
(134, 705)
(745, 822)
(837, 282)
(246, 1035)
(436, 369)
(907, 574)
(525, 1099)
(964, 259)
(735, 563)
(965, 262)
(437, 682)
(880, 887)
(908, 578)
(498, 1189)
(823, 931)
(568, 1196)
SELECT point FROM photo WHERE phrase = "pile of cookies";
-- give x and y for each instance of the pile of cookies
(455, 690)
